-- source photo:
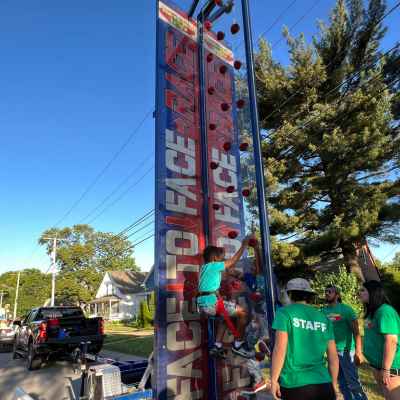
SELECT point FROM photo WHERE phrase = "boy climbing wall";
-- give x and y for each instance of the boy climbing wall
(209, 301)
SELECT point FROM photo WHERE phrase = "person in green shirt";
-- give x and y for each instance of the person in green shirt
(381, 338)
(303, 336)
(348, 343)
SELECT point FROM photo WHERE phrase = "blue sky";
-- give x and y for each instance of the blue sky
(76, 78)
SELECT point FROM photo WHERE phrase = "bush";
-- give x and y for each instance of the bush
(146, 312)
(391, 283)
(346, 282)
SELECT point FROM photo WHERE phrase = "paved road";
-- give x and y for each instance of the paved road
(55, 381)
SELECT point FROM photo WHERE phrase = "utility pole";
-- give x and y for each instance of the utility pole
(1, 299)
(16, 296)
(53, 267)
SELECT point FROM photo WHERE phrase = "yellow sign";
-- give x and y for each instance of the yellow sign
(178, 21)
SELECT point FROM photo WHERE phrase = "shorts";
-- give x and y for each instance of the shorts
(230, 308)
(320, 391)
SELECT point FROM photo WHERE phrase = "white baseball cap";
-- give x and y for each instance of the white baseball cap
(299, 284)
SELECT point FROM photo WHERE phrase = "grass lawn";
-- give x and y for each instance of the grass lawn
(140, 346)
(368, 381)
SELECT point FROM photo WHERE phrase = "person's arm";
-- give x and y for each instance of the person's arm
(333, 362)
(389, 351)
(358, 357)
(236, 257)
(278, 360)
(257, 257)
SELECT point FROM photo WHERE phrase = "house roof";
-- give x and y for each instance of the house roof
(128, 281)
(149, 280)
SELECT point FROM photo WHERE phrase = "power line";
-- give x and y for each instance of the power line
(119, 186)
(147, 215)
(390, 252)
(331, 91)
(267, 30)
(327, 66)
(106, 167)
(298, 21)
(140, 229)
(143, 240)
(123, 194)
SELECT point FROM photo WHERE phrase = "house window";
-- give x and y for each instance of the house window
(110, 289)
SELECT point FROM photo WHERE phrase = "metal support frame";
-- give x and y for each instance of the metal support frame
(192, 8)
(203, 129)
(264, 223)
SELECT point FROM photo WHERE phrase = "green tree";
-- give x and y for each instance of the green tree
(83, 256)
(332, 143)
(346, 282)
(34, 289)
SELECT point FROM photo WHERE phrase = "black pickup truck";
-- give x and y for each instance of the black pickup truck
(56, 331)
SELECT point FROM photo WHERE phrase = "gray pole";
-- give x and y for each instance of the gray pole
(16, 296)
(264, 224)
(53, 276)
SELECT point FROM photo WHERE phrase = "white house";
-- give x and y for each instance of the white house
(119, 295)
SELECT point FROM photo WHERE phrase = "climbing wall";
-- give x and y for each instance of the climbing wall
(182, 366)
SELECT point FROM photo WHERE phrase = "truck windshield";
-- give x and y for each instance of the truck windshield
(49, 313)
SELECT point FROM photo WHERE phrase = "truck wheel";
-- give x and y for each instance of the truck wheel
(15, 350)
(32, 360)
(96, 349)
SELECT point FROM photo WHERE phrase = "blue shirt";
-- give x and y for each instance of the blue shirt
(210, 281)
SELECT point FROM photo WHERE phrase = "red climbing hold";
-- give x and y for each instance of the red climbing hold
(212, 127)
(216, 207)
(223, 69)
(235, 28)
(259, 356)
(227, 146)
(237, 64)
(232, 234)
(209, 57)
(218, 2)
(220, 35)
(213, 165)
(246, 192)
(208, 25)
(240, 103)
(230, 189)
(225, 106)
(182, 109)
(243, 146)
(252, 242)
(211, 90)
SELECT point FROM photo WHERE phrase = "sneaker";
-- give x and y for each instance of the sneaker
(216, 351)
(243, 351)
(258, 387)
(264, 348)
(262, 385)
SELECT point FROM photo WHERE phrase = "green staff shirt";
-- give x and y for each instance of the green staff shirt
(210, 281)
(342, 316)
(308, 334)
(386, 321)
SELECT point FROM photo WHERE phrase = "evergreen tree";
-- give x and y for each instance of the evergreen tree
(332, 143)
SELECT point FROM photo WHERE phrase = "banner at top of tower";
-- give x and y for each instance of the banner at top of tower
(188, 27)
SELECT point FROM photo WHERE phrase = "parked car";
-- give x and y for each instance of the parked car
(7, 334)
(56, 331)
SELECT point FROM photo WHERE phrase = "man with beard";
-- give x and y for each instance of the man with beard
(348, 343)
